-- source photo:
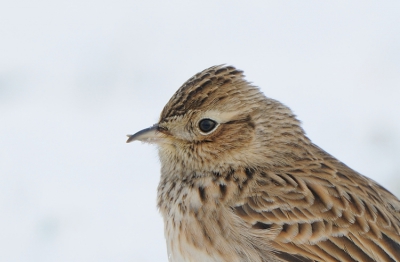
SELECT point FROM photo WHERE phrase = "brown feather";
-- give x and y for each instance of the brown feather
(255, 188)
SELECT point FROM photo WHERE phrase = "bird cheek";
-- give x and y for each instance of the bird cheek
(236, 136)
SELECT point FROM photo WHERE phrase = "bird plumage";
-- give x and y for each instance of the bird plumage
(255, 188)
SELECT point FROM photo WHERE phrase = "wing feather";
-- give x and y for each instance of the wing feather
(325, 213)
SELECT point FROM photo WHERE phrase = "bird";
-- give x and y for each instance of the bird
(241, 181)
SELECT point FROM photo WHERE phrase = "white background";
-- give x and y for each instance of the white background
(76, 77)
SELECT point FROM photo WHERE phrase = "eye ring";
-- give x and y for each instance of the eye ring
(206, 125)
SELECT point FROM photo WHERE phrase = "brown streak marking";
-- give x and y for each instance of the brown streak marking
(202, 194)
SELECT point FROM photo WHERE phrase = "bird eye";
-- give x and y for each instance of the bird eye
(207, 125)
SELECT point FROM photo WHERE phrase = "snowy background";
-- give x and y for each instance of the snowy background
(77, 76)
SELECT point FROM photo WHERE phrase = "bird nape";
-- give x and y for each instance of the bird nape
(240, 181)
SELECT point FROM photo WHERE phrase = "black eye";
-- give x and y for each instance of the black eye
(206, 125)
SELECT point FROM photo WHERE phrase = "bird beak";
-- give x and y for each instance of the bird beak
(151, 134)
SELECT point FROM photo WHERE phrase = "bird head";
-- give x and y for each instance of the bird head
(218, 120)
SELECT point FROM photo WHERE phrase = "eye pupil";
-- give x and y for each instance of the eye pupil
(207, 125)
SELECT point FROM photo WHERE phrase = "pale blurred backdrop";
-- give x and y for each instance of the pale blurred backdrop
(77, 76)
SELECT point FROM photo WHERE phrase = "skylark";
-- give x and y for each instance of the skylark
(240, 181)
